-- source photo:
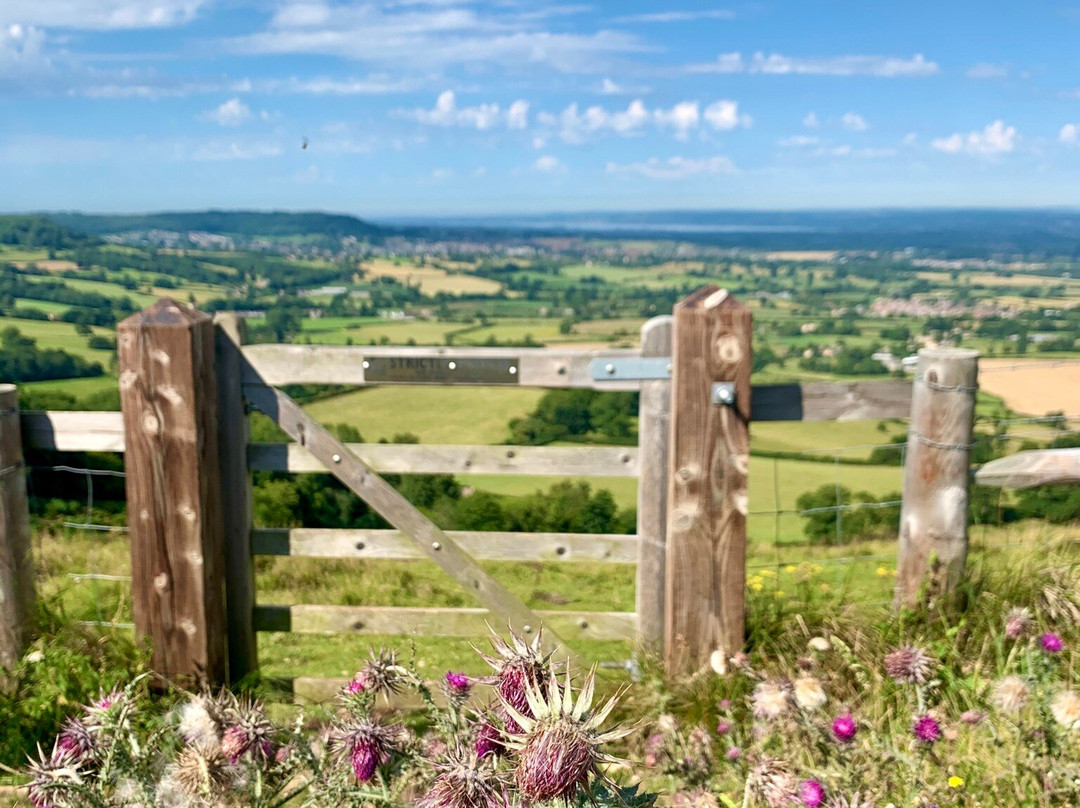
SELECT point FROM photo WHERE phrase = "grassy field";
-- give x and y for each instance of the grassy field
(432, 280)
(61, 335)
(75, 387)
(437, 414)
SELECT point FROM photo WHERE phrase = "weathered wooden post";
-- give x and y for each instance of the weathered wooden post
(17, 601)
(236, 496)
(705, 600)
(168, 393)
(654, 424)
(937, 473)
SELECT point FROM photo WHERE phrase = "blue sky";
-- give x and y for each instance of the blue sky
(458, 107)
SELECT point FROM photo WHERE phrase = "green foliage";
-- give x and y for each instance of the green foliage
(37, 231)
(835, 515)
(580, 415)
(21, 360)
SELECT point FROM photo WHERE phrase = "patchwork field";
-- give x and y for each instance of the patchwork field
(1046, 386)
(431, 280)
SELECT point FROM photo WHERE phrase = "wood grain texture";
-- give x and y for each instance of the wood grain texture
(73, 431)
(435, 622)
(168, 392)
(832, 401)
(1032, 468)
(654, 426)
(934, 514)
(481, 545)
(17, 599)
(385, 500)
(404, 458)
(322, 364)
(707, 498)
(236, 496)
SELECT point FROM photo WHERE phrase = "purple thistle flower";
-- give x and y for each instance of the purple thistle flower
(734, 753)
(488, 739)
(844, 728)
(725, 704)
(1051, 643)
(458, 682)
(365, 759)
(367, 745)
(354, 687)
(928, 730)
(812, 793)
(972, 717)
(1018, 623)
(723, 728)
(74, 743)
(910, 665)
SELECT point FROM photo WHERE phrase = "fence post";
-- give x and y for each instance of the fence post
(168, 394)
(705, 596)
(17, 600)
(231, 333)
(934, 514)
(654, 424)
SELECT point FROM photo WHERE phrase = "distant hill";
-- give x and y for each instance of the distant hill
(39, 231)
(243, 224)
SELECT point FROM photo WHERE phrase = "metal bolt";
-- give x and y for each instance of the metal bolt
(669, 369)
(452, 365)
(367, 364)
(609, 370)
(436, 546)
(337, 458)
(513, 370)
(527, 629)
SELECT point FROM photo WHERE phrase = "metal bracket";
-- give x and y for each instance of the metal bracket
(630, 369)
(723, 394)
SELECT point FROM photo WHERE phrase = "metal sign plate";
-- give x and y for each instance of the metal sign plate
(440, 370)
(630, 369)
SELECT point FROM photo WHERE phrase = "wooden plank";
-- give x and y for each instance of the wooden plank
(405, 458)
(1032, 468)
(168, 392)
(73, 431)
(236, 496)
(481, 545)
(419, 622)
(832, 401)
(385, 500)
(323, 364)
(934, 514)
(707, 499)
(654, 425)
(17, 597)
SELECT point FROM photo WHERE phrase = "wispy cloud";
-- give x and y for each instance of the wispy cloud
(233, 112)
(99, 15)
(987, 70)
(237, 150)
(678, 16)
(995, 139)
(576, 126)
(797, 141)
(549, 164)
(849, 65)
(674, 168)
(446, 112)
(1070, 134)
(854, 122)
(377, 84)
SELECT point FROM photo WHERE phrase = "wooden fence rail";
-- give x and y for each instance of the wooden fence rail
(188, 382)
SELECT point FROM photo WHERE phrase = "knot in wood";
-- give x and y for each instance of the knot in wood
(195, 559)
(160, 356)
(729, 349)
(161, 582)
(187, 625)
(151, 423)
(688, 472)
(683, 520)
(128, 379)
(187, 512)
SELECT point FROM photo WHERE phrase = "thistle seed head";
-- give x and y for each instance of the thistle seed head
(1065, 707)
(809, 694)
(466, 781)
(909, 665)
(770, 700)
(1011, 694)
(203, 772)
(773, 782)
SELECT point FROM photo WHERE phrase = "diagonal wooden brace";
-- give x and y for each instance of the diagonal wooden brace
(398, 511)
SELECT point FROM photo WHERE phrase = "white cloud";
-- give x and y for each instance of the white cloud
(1070, 133)
(548, 164)
(996, 138)
(236, 150)
(575, 126)
(847, 150)
(442, 173)
(380, 84)
(608, 87)
(230, 113)
(798, 140)
(446, 112)
(910, 139)
(854, 122)
(99, 14)
(848, 65)
(22, 49)
(811, 121)
(674, 168)
(432, 37)
(678, 16)
(987, 70)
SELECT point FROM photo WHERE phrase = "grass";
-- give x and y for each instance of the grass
(75, 387)
(459, 415)
(431, 280)
(61, 335)
(849, 439)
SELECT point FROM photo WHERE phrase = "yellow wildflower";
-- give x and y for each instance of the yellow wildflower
(956, 782)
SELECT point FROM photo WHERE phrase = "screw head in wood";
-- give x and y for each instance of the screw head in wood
(436, 545)
(337, 458)
(609, 370)
(366, 364)
(527, 629)
(452, 365)
(513, 369)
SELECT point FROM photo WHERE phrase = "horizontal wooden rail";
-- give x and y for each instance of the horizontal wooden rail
(531, 367)
(831, 401)
(485, 546)
(73, 431)
(408, 458)
(1032, 468)
(435, 622)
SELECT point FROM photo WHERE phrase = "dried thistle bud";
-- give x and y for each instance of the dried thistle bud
(382, 674)
(773, 782)
(466, 781)
(203, 772)
(1018, 623)
(909, 665)
(517, 666)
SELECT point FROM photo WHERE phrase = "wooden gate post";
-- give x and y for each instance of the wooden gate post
(168, 393)
(17, 601)
(236, 496)
(705, 601)
(937, 473)
(654, 425)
